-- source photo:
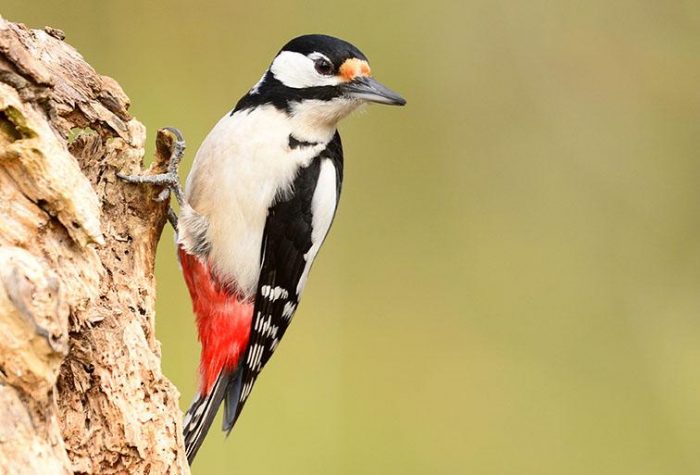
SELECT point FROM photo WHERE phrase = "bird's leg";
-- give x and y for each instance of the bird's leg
(170, 180)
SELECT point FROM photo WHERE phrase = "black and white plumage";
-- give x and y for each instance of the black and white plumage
(294, 232)
(260, 199)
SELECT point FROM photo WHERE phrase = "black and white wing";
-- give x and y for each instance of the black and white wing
(294, 231)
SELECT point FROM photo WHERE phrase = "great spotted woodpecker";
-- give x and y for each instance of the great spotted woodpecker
(259, 201)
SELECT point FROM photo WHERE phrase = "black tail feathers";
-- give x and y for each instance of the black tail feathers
(232, 402)
(203, 409)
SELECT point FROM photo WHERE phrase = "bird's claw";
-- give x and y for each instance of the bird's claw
(170, 180)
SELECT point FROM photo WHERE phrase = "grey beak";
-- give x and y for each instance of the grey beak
(371, 90)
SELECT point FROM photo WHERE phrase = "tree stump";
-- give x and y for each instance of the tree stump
(81, 390)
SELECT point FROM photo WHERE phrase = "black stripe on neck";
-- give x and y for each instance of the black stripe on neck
(295, 143)
(272, 91)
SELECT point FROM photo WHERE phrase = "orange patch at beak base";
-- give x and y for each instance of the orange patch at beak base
(353, 68)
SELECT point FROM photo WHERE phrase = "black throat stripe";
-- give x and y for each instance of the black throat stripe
(295, 143)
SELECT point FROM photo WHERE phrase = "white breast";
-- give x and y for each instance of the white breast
(244, 162)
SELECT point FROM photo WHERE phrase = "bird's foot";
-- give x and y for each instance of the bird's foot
(172, 147)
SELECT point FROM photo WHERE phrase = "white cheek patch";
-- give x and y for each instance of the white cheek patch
(298, 71)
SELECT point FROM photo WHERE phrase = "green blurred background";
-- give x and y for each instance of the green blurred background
(512, 284)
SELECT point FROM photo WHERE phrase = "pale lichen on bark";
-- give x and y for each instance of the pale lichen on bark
(81, 390)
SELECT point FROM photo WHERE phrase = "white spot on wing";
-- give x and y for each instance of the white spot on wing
(323, 208)
(288, 310)
(273, 293)
(246, 390)
(279, 292)
(249, 360)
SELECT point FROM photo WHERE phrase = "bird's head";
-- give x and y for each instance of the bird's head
(321, 77)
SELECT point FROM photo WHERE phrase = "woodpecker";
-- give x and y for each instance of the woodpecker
(258, 203)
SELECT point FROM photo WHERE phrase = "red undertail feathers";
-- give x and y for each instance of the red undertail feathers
(223, 320)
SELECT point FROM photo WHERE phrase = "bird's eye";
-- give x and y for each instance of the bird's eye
(324, 67)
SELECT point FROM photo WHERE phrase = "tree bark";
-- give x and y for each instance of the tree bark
(81, 390)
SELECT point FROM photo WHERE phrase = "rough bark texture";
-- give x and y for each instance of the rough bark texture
(81, 390)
